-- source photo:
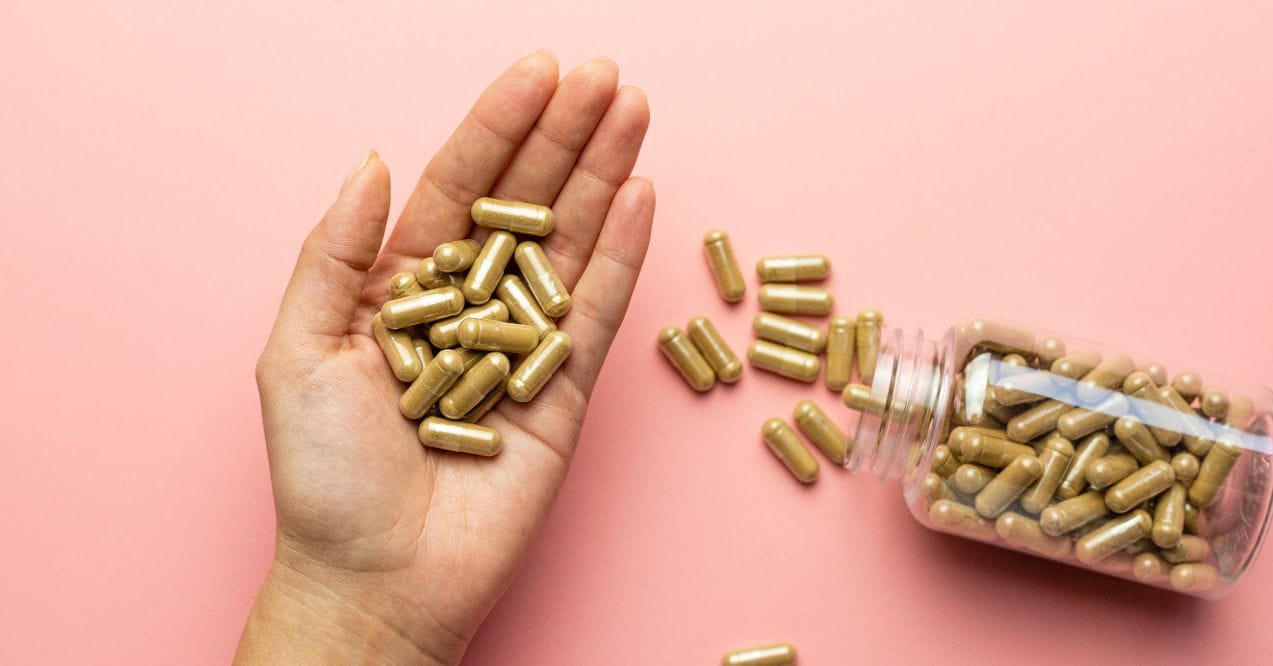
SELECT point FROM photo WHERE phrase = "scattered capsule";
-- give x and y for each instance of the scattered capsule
(944, 461)
(796, 299)
(859, 397)
(686, 358)
(1214, 402)
(422, 308)
(446, 333)
(818, 427)
(542, 279)
(486, 405)
(1072, 514)
(1083, 421)
(515, 216)
(1008, 485)
(1024, 532)
(428, 276)
(1194, 577)
(714, 348)
(1108, 470)
(456, 256)
(720, 258)
(784, 361)
(1140, 486)
(961, 520)
(1150, 568)
(399, 351)
(436, 379)
(1185, 465)
(460, 437)
(1169, 517)
(789, 332)
(786, 445)
(997, 335)
(1138, 441)
(993, 451)
(1055, 459)
(970, 478)
(539, 366)
(522, 306)
(1188, 385)
(1036, 421)
(1113, 536)
(497, 336)
(404, 284)
(840, 343)
(1048, 350)
(870, 324)
(794, 268)
(1075, 478)
(1213, 471)
(473, 386)
(487, 269)
(1190, 548)
(768, 655)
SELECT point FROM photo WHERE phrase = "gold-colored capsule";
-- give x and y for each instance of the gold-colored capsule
(789, 332)
(438, 433)
(993, 451)
(1108, 470)
(469, 357)
(860, 398)
(1075, 478)
(961, 434)
(1153, 408)
(1008, 485)
(1214, 470)
(422, 308)
(1071, 514)
(780, 654)
(720, 258)
(841, 334)
(428, 276)
(485, 273)
(1055, 458)
(1113, 536)
(1188, 385)
(796, 299)
(1138, 441)
(1196, 521)
(997, 335)
(522, 306)
(1169, 517)
(1083, 421)
(1150, 568)
(446, 333)
(1194, 577)
(970, 478)
(997, 409)
(1036, 421)
(960, 519)
(818, 427)
(474, 385)
(515, 216)
(539, 366)
(714, 348)
(1024, 388)
(1076, 364)
(498, 336)
(786, 445)
(1214, 402)
(1140, 486)
(1024, 532)
(1241, 411)
(423, 350)
(870, 324)
(1185, 465)
(486, 405)
(944, 461)
(436, 379)
(1195, 430)
(1108, 375)
(1190, 548)
(794, 268)
(1048, 350)
(934, 488)
(456, 256)
(686, 358)
(542, 279)
(399, 351)
(1156, 372)
(404, 284)
(784, 361)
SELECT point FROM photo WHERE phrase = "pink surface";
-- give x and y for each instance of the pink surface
(1104, 170)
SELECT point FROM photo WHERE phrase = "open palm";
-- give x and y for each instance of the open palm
(398, 540)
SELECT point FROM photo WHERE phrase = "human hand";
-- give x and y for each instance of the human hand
(387, 550)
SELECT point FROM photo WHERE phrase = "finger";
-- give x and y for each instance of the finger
(604, 165)
(468, 164)
(546, 157)
(325, 286)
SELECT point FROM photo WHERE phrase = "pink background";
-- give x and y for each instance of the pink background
(1102, 169)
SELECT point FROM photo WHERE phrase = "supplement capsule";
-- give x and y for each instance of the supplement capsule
(992, 451)
(515, 216)
(1113, 536)
(1024, 388)
(497, 336)
(794, 268)
(769, 655)
(1023, 532)
(1084, 421)
(796, 299)
(487, 404)
(960, 519)
(522, 306)
(1140, 486)
(1108, 375)
(542, 279)
(944, 461)
(789, 332)
(1036, 421)
(860, 398)
(485, 273)
(998, 336)
(1075, 478)
(469, 357)
(460, 437)
(1049, 350)
(539, 366)
(404, 284)
(456, 256)
(1241, 411)
(970, 478)
(1190, 548)
(818, 427)
(1138, 441)
(870, 323)
(786, 445)
(1188, 385)
(1185, 465)
(934, 488)
(423, 350)
(1196, 522)
(1108, 470)
(1195, 430)
(1073, 513)
(446, 333)
(840, 343)
(1213, 471)
(428, 276)
(1055, 458)
(474, 385)
(436, 379)
(1004, 489)
(784, 361)
(1150, 568)
(720, 258)
(1153, 408)
(398, 349)
(714, 348)
(422, 308)
(1156, 372)
(1076, 364)
(1214, 402)
(1194, 577)
(959, 435)
(1169, 517)
(686, 358)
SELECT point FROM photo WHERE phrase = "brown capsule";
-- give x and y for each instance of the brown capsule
(720, 258)
(1024, 532)
(1008, 485)
(714, 348)
(1108, 375)
(485, 273)
(542, 279)
(474, 385)
(1138, 441)
(522, 306)
(1185, 465)
(438, 433)
(1022, 388)
(1214, 470)
(993, 451)
(1055, 459)
(1118, 564)
(934, 488)
(996, 409)
(780, 654)
(497, 336)
(1196, 521)
(399, 351)
(789, 332)
(1194, 577)
(970, 478)
(456, 256)
(1188, 385)
(446, 333)
(1075, 478)
(1152, 408)
(1036, 421)
(539, 366)
(486, 405)
(944, 461)
(423, 350)
(1214, 402)
(1156, 372)
(860, 398)
(997, 335)
(841, 336)
(1072, 514)
(404, 284)
(1241, 411)
(1108, 470)
(469, 357)
(1141, 485)
(1195, 430)
(1190, 548)
(686, 358)
(1083, 421)
(1169, 517)
(786, 445)
(1113, 536)
(1076, 364)
(818, 427)
(961, 520)
(784, 361)
(1048, 350)
(870, 324)
(794, 268)
(796, 299)
(515, 216)
(429, 277)
(1150, 568)
(436, 379)
(422, 308)
(959, 435)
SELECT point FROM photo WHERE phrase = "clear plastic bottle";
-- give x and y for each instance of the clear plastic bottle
(1184, 494)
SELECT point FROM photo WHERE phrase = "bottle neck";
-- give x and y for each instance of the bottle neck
(912, 392)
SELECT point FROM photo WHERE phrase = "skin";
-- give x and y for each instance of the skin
(387, 551)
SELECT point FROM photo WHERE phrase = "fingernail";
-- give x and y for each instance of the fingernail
(361, 165)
